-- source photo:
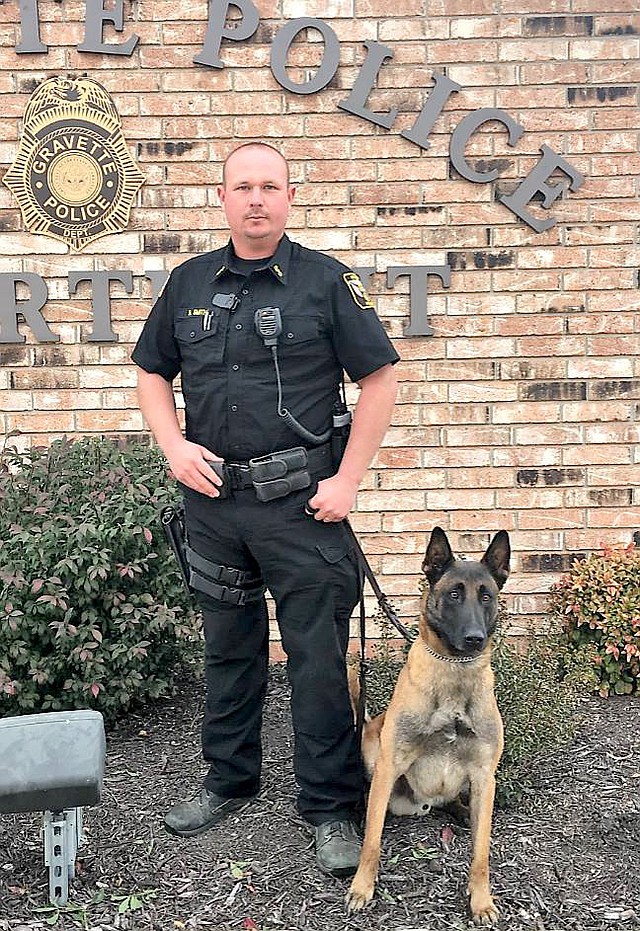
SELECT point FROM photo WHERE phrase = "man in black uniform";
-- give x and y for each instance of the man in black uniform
(261, 332)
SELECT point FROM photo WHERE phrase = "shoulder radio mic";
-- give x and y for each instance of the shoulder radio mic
(268, 322)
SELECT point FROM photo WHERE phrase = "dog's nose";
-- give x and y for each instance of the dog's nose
(473, 643)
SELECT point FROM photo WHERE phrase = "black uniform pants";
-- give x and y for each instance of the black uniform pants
(310, 570)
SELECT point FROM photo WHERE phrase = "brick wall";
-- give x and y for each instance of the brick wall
(522, 410)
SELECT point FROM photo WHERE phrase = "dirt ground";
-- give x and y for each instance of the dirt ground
(566, 859)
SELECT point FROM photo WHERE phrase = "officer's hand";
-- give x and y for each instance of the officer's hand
(189, 463)
(334, 499)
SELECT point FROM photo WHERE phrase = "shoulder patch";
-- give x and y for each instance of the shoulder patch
(358, 291)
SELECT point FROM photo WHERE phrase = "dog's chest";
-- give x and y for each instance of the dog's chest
(452, 726)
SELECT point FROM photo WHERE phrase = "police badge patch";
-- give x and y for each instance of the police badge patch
(73, 176)
(358, 291)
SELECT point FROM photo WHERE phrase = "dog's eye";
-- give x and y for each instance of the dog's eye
(454, 593)
(486, 597)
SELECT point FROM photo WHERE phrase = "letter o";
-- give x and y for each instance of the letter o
(282, 44)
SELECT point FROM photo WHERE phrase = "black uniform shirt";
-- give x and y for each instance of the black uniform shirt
(203, 325)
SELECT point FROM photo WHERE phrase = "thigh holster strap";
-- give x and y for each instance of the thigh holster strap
(221, 582)
(225, 574)
(225, 593)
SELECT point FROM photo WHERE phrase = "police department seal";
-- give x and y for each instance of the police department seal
(73, 176)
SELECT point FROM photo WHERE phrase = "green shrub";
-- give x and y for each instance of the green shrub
(92, 609)
(599, 602)
(540, 686)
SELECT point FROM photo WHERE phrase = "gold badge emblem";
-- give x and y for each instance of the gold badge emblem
(73, 176)
(358, 291)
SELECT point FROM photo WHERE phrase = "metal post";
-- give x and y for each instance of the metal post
(62, 837)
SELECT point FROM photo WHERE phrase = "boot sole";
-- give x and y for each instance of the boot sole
(344, 872)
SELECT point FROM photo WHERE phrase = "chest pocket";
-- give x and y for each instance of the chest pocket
(297, 330)
(198, 344)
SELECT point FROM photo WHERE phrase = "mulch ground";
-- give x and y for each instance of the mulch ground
(566, 859)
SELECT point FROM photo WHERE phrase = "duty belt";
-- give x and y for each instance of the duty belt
(279, 473)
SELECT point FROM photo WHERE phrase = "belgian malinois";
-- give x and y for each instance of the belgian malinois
(440, 739)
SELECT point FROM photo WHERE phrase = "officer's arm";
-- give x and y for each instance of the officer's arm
(371, 418)
(188, 461)
(336, 495)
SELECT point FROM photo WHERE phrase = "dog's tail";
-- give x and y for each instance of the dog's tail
(354, 692)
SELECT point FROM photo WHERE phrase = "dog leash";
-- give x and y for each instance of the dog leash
(383, 601)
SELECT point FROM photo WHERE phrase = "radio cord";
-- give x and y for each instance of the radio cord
(288, 417)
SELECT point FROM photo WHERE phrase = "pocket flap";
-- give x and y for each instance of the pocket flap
(333, 552)
(190, 330)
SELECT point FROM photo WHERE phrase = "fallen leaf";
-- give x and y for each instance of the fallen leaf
(447, 837)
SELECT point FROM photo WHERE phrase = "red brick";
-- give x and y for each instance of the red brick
(557, 72)
(594, 540)
(552, 519)
(615, 47)
(16, 400)
(614, 517)
(604, 323)
(34, 422)
(481, 519)
(538, 368)
(616, 72)
(612, 433)
(597, 455)
(615, 118)
(525, 457)
(401, 8)
(612, 475)
(392, 479)
(600, 368)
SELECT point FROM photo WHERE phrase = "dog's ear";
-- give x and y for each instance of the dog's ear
(438, 556)
(496, 559)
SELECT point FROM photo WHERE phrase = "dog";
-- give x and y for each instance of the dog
(441, 737)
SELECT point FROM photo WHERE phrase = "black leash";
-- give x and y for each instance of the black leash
(389, 613)
(383, 601)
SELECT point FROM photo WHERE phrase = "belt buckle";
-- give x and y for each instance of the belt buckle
(236, 471)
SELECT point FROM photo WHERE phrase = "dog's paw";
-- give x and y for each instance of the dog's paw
(483, 910)
(360, 894)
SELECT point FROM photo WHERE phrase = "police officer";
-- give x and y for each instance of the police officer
(261, 332)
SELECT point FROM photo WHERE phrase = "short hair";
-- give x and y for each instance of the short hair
(255, 145)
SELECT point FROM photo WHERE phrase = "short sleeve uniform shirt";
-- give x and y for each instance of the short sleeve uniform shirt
(203, 326)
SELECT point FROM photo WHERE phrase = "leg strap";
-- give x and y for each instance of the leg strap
(222, 582)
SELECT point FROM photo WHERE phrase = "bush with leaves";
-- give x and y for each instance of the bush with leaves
(599, 602)
(92, 609)
(541, 686)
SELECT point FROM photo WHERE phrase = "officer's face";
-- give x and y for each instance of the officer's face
(256, 197)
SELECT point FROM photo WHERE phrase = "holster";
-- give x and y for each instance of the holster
(280, 473)
(172, 520)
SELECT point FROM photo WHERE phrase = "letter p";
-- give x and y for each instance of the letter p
(216, 30)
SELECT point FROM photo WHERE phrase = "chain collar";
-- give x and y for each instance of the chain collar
(450, 659)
